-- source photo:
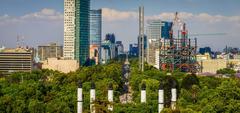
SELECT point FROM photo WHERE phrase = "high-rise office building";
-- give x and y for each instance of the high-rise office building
(76, 30)
(166, 29)
(110, 37)
(119, 48)
(95, 26)
(108, 51)
(205, 50)
(95, 34)
(82, 31)
(51, 50)
(133, 49)
(154, 30)
(69, 29)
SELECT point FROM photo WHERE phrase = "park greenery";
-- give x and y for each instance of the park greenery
(54, 92)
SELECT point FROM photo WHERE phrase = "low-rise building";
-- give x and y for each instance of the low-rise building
(52, 50)
(16, 60)
(205, 56)
(212, 65)
(61, 65)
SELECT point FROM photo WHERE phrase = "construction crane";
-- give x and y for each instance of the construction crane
(20, 41)
(208, 34)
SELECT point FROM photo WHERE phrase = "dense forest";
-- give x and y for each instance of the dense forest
(54, 92)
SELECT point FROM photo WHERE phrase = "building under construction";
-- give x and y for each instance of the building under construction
(178, 52)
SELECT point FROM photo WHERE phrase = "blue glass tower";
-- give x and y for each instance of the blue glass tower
(95, 27)
(166, 29)
(95, 34)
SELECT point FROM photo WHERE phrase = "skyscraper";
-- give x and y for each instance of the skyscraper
(95, 34)
(166, 29)
(76, 30)
(133, 49)
(82, 30)
(110, 37)
(69, 29)
(154, 30)
(119, 48)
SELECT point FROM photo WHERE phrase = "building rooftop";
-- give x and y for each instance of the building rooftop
(12, 50)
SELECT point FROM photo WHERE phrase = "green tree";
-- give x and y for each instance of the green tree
(189, 80)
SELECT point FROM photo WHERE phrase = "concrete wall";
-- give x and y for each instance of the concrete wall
(64, 66)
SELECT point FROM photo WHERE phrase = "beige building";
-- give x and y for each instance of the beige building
(201, 57)
(69, 28)
(95, 53)
(16, 60)
(64, 66)
(153, 46)
(212, 65)
(51, 50)
(157, 59)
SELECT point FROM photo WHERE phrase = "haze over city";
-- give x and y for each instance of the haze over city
(41, 21)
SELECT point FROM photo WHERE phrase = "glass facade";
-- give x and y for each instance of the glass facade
(95, 34)
(82, 9)
(110, 37)
(166, 29)
(95, 27)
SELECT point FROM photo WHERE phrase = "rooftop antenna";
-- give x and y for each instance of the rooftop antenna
(20, 41)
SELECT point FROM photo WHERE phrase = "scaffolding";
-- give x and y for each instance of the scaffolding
(179, 53)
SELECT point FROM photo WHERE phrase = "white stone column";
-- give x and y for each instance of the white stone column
(92, 97)
(110, 97)
(79, 98)
(174, 95)
(160, 98)
(143, 93)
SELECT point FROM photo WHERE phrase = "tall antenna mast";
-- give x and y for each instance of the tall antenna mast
(141, 38)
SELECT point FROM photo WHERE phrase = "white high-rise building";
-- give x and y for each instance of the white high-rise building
(76, 30)
(69, 29)
(154, 28)
(157, 60)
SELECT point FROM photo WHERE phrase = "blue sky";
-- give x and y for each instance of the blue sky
(41, 21)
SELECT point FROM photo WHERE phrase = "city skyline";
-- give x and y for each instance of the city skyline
(42, 21)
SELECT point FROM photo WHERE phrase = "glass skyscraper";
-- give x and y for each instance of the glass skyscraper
(76, 30)
(95, 26)
(95, 34)
(166, 28)
(82, 30)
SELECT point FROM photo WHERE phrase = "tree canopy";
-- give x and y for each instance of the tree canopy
(51, 91)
